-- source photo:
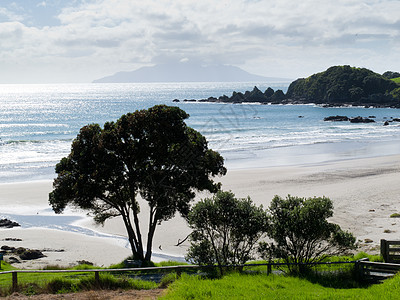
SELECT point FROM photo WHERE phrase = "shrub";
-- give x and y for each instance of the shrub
(225, 230)
(301, 233)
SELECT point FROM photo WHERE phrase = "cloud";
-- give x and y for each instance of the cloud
(273, 38)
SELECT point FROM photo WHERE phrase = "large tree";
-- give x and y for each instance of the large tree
(149, 152)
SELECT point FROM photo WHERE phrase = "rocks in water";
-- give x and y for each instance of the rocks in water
(336, 118)
(175, 100)
(6, 223)
(386, 123)
(361, 120)
(23, 253)
(84, 262)
(396, 120)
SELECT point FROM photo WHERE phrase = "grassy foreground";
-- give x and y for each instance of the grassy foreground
(261, 286)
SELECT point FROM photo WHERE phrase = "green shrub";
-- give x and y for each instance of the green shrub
(167, 279)
(395, 215)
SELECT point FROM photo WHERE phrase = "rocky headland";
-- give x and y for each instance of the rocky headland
(335, 87)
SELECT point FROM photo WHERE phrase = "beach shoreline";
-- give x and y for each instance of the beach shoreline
(364, 191)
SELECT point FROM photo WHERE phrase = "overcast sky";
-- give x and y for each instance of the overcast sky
(82, 40)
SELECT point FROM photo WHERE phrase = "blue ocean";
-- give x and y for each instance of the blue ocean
(39, 122)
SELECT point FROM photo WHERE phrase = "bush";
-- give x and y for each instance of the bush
(301, 233)
(225, 230)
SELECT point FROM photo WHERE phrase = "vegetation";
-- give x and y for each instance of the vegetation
(225, 230)
(345, 84)
(149, 152)
(301, 233)
(260, 286)
(395, 215)
(397, 80)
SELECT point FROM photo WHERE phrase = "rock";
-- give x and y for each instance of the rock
(368, 241)
(175, 100)
(13, 260)
(361, 120)
(372, 117)
(30, 254)
(7, 248)
(84, 262)
(336, 118)
(8, 223)
(386, 123)
(12, 240)
(396, 120)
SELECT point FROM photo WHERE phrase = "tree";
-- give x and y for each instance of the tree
(301, 233)
(149, 152)
(225, 230)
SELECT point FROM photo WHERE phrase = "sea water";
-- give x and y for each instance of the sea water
(38, 123)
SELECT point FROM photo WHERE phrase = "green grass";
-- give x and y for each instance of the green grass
(397, 80)
(261, 286)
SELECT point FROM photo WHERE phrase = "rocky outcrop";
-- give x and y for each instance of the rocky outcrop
(361, 120)
(6, 223)
(336, 118)
(23, 253)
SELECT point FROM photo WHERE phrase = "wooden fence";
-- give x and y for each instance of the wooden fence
(375, 271)
(390, 251)
(177, 269)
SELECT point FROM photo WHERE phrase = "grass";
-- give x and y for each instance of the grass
(261, 286)
(397, 80)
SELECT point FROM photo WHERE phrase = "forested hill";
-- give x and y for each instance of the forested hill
(346, 85)
(337, 86)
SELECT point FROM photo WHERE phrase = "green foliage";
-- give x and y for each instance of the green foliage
(395, 215)
(167, 279)
(397, 80)
(391, 75)
(396, 93)
(149, 152)
(301, 233)
(225, 230)
(343, 84)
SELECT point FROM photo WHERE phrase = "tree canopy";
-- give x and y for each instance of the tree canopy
(151, 153)
(225, 230)
(344, 84)
(301, 232)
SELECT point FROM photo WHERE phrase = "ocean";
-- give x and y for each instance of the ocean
(38, 123)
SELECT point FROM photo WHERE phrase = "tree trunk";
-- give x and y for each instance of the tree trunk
(150, 236)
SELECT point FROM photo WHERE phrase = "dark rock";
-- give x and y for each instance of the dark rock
(30, 254)
(361, 120)
(336, 118)
(386, 123)
(7, 248)
(175, 100)
(13, 260)
(372, 117)
(84, 262)
(12, 239)
(396, 120)
(8, 223)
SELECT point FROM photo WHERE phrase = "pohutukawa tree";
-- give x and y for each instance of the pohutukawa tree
(149, 152)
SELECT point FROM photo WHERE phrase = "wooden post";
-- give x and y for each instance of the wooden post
(269, 268)
(14, 281)
(97, 278)
(178, 272)
(384, 250)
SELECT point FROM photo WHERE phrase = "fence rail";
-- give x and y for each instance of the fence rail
(178, 269)
(390, 251)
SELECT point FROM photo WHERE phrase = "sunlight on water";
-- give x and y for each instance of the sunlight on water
(39, 122)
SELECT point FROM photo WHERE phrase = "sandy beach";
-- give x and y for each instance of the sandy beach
(365, 192)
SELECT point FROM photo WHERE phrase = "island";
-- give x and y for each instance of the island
(337, 86)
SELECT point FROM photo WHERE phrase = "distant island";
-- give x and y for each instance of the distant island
(337, 86)
(186, 72)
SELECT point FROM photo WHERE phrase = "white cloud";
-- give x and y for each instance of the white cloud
(273, 38)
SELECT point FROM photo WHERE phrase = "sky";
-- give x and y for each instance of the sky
(82, 40)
